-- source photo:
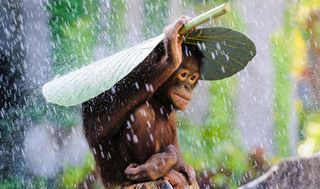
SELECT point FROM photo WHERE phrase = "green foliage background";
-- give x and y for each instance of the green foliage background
(74, 27)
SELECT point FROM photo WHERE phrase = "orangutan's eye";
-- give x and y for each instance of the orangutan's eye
(194, 78)
(182, 75)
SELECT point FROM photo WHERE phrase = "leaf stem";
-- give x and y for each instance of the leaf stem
(205, 17)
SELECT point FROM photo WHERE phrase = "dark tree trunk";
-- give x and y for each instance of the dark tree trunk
(12, 89)
(156, 185)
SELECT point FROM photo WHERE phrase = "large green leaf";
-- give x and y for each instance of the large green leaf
(87, 82)
(225, 52)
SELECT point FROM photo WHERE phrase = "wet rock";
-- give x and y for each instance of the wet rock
(295, 173)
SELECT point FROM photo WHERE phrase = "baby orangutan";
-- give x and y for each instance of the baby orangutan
(131, 128)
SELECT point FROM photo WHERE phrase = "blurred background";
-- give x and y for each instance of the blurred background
(234, 130)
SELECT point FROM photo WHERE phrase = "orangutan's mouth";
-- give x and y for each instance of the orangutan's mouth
(183, 98)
